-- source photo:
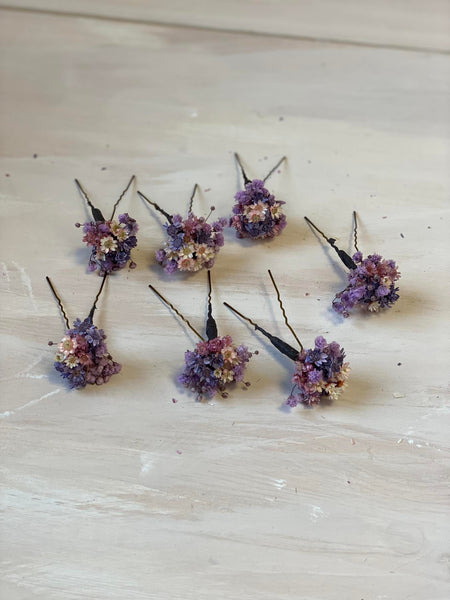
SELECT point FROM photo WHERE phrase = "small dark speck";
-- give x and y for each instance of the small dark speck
(348, 481)
(6, 174)
(281, 118)
(103, 168)
(35, 155)
(384, 217)
(306, 293)
(401, 235)
(318, 299)
(174, 400)
(179, 452)
(207, 190)
(399, 364)
(265, 158)
(256, 352)
(429, 227)
(309, 162)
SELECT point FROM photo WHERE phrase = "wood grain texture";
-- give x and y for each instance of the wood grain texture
(412, 24)
(116, 491)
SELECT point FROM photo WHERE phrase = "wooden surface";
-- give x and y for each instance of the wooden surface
(116, 491)
(412, 24)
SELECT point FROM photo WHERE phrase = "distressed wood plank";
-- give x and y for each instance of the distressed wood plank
(404, 23)
(336, 502)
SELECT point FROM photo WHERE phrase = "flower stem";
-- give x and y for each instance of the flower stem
(192, 197)
(122, 195)
(244, 176)
(211, 325)
(279, 344)
(94, 306)
(170, 305)
(355, 231)
(96, 212)
(274, 168)
(58, 299)
(283, 311)
(158, 208)
(345, 258)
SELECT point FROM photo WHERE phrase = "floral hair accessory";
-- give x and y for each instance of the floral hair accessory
(111, 240)
(82, 356)
(319, 371)
(192, 243)
(371, 281)
(215, 362)
(257, 214)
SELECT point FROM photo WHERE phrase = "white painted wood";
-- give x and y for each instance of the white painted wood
(117, 492)
(407, 23)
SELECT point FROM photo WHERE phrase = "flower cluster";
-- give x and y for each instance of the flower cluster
(112, 242)
(320, 371)
(83, 357)
(256, 214)
(214, 364)
(192, 244)
(371, 285)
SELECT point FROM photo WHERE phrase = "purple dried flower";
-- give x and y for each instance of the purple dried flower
(83, 357)
(256, 213)
(320, 371)
(320, 342)
(371, 285)
(111, 242)
(213, 365)
(192, 244)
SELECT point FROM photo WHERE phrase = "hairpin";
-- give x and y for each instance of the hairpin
(111, 240)
(256, 213)
(216, 362)
(319, 371)
(371, 281)
(82, 355)
(192, 243)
